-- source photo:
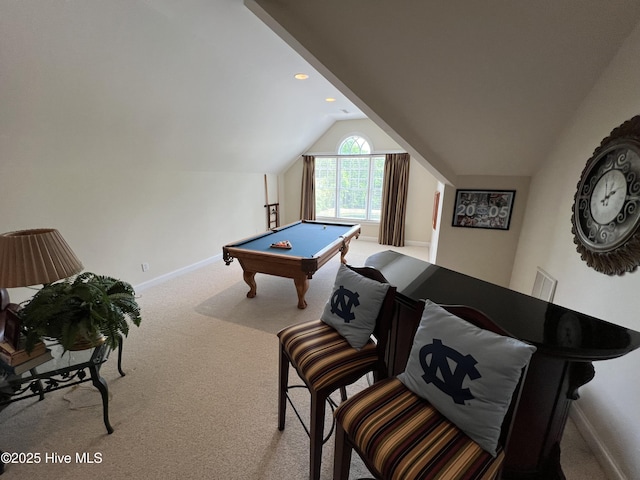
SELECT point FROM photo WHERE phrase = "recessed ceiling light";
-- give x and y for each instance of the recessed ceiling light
(329, 99)
(301, 76)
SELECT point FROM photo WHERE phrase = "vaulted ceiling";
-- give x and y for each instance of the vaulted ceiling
(472, 87)
(177, 84)
(468, 87)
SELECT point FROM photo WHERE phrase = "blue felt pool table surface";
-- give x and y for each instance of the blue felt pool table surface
(306, 238)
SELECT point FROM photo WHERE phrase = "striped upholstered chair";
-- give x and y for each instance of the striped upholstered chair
(326, 362)
(401, 436)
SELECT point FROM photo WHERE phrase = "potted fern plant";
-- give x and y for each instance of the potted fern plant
(81, 312)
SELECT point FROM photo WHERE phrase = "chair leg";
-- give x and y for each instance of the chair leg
(316, 432)
(283, 381)
(342, 455)
(343, 393)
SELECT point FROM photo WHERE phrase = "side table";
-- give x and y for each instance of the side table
(64, 370)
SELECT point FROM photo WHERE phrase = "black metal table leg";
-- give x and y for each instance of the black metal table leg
(122, 374)
(101, 384)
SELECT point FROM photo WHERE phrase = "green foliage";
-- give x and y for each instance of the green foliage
(354, 145)
(86, 307)
(358, 194)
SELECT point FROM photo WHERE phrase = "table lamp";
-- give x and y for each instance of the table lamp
(38, 256)
(32, 257)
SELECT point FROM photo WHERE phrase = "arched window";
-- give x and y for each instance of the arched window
(354, 145)
(349, 184)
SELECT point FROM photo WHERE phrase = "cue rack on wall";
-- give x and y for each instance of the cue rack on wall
(273, 212)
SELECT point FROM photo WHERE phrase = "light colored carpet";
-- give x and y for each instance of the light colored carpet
(199, 397)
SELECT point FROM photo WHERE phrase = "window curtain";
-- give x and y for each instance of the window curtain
(308, 201)
(394, 199)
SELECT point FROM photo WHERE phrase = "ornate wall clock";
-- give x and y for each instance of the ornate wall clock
(606, 207)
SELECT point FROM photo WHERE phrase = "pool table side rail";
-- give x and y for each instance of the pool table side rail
(316, 222)
(337, 246)
(274, 264)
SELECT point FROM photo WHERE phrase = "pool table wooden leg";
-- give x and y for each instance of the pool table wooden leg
(302, 285)
(343, 252)
(250, 279)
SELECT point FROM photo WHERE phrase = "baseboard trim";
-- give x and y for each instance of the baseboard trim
(599, 449)
(362, 238)
(408, 243)
(181, 271)
(412, 243)
(176, 273)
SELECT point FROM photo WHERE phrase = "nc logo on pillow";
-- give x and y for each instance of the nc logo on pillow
(342, 301)
(353, 306)
(448, 382)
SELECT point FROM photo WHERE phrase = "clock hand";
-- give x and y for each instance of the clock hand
(605, 200)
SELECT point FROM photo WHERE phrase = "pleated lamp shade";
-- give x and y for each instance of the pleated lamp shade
(32, 257)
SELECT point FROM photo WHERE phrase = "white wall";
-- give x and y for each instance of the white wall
(610, 402)
(422, 185)
(107, 134)
(116, 221)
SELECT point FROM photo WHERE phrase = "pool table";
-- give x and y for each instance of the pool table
(312, 244)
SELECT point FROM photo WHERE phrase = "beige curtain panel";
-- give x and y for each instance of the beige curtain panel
(308, 201)
(394, 199)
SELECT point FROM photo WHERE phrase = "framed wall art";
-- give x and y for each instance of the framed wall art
(483, 209)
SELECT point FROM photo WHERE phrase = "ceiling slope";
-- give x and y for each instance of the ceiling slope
(471, 88)
(199, 85)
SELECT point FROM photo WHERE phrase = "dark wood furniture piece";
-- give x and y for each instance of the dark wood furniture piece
(567, 341)
(312, 245)
(325, 362)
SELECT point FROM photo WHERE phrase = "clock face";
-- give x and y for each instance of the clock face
(608, 196)
(607, 208)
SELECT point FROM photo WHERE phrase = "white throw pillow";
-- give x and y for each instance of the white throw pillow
(354, 306)
(467, 373)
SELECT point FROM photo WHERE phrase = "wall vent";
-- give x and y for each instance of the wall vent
(544, 286)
